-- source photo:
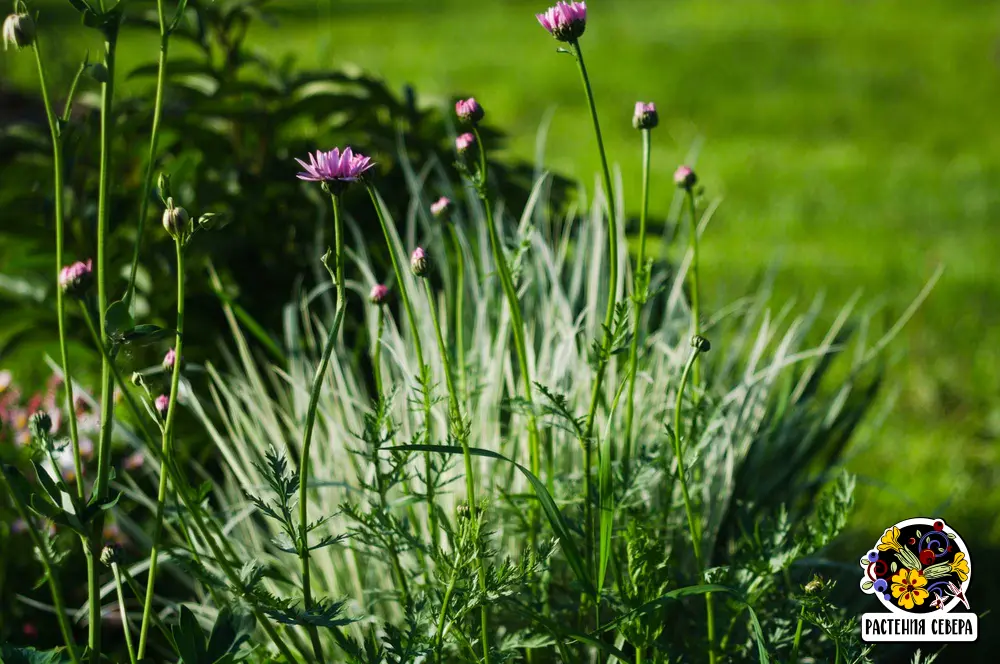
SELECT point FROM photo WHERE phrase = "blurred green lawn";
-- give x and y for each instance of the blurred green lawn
(853, 142)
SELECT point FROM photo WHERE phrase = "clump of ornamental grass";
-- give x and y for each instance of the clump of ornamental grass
(534, 448)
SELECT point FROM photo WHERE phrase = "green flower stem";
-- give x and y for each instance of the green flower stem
(445, 602)
(121, 609)
(460, 311)
(167, 446)
(458, 426)
(50, 573)
(194, 509)
(138, 592)
(418, 347)
(154, 137)
(517, 323)
(794, 657)
(695, 286)
(609, 316)
(102, 482)
(57, 161)
(638, 300)
(317, 388)
(694, 525)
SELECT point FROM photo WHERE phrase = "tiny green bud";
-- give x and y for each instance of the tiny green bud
(701, 344)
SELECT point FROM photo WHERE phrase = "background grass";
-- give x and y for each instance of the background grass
(853, 143)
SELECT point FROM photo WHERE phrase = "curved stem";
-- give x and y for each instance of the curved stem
(317, 388)
(460, 431)
(50, 573)
(167, 445)
(694, 525)
(638, 300)
(154, 137)
(517, 322)
(123, 612)
(695, 286)
(418, 347)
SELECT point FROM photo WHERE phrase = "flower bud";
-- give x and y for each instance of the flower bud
(441, 208)
(685, 178)
(111, 555)
(464, 142)
(18, 31)
(169, 360)
(75, 279)
(645, 116)
(469, 111)
(419, 262)
(700, 343)
(379, 294)
(176, 220)
(39, 424)
(565, 21)
(162, 403)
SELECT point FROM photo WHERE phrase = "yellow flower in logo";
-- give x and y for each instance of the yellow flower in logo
(908, 588)
(890, 540)
(960, 566)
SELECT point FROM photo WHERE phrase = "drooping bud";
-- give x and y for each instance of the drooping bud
(469, 111)
(379, 294)
(40, 424)
(176, 220)
(700, 343)
(18, 31)
(75, 280)
(685, 178)
(645, 116)
(419, 262)
(464, 142)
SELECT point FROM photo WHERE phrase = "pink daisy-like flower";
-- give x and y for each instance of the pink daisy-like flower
(75, 279)
(469, 111)
(565, 21)
(645, 116)
(464, 142)
(336, 169)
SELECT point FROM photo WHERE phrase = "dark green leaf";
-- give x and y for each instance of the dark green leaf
(146, 334)
(118, 320)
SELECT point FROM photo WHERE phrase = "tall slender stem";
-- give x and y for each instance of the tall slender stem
(167, 444)
(695, 286)
(694, 524)
(638, 300)
(418, 347)
(102, 483)
(609, 196)
(121, 609)
(57, 165)
(517, 322)
(154, 137)
(458, 426)
(459, 310)
(317, 388)
(50, 573)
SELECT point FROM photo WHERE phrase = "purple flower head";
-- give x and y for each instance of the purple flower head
(336, 169)
(18, 31)
(565, 21)
(162, 403)
(441, 207)
(469, 111)
(464, 142)
(169, 359)
(379, 294)
(419, 262)
(75, 279)
(685, 178)
(645, 116)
